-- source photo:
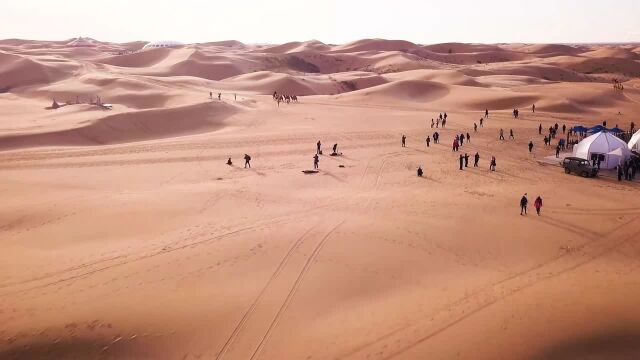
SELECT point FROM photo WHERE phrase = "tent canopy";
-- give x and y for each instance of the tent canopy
(601, 145)
(634, 142)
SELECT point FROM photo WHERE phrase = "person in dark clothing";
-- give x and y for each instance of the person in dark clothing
(247, 161)
(444, 123)
(557, 151)
(476, 160)
(436, 137)
(564, 128)
(440, 116)
(501, 134)
(466, 160)
(445, 116)
(461, 139)
(316, 161)
(455, 145)
(511, 134)
(335, 148)
(468, 138)
(626, 170)
(523, 204)
(530, 146)
(461, 161)
(598, 163)
(428, 141)
(420, 171)
(493, 164)
(211, 95)
(533, 108)
(486, 113)
(404, 141)
(437, 123)
(318, 147)
(540, 129)
(481, 122)
(633, 126)
(546, 141)
(219, 96)
(475, 127)
(229, 162)
(432, 123)
(620, 172)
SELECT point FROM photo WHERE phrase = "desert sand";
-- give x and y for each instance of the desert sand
(124, 235)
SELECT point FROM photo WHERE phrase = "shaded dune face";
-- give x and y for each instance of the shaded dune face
(74, 348)
(605, 344)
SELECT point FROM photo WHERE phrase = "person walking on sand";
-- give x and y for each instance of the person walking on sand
(444, 123)
(235, 97)
(564, 128)
(466, 160)
(247, 161)
(530, 146)
(486, 114)
(533, 108)
(523, 204)
(404, 141)
(481, 122)
(492, 166)
(557, 151)
(335, 149)
(501, 134)
(468, 138)
(436, 138)
(211, 95)
(432, 123)
(316, 161)
(475, 127)
(318, 147)
(476, 160)
(445, 116)
(461, 161)
(540, 129)
(437, 123)
(219, 96)
(511, 134)
(538, 204)
(461, 138)
(428, 140)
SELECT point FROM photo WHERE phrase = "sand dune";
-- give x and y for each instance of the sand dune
(125, 235)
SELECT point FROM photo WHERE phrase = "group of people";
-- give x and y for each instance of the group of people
(247, 161)
(440, 119)
(628, 170)
(524, 202)
(511, 136)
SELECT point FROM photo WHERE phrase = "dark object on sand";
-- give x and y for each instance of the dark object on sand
(310, 171)
(340, 166)
(335, 154)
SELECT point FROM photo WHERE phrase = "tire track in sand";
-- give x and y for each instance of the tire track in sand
(483, 298)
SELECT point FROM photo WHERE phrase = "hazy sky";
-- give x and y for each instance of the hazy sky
(331, 21)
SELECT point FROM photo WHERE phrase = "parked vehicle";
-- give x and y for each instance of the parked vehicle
(579, 166)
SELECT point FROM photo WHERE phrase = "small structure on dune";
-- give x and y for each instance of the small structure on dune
(162, 44)
(634, 142)
(603, 147)
(81, 42)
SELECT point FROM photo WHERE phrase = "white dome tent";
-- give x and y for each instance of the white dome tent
(162, 44)
(81, 42)
(604, 146)
(634, 142)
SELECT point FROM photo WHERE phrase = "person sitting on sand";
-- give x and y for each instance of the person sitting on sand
(247, 161)
(538, 204)
(419, 171)
(523, 204)
(316, 161)
(229, 162)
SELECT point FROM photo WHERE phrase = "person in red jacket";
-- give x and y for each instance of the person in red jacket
(538, 204)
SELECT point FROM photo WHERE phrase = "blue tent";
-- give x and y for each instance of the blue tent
(597, 129)
(580, 129)
(616, 130)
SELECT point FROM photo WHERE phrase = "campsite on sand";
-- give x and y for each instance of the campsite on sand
(164, 202)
